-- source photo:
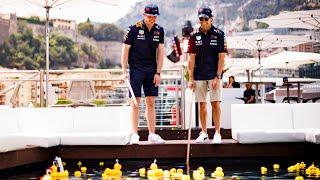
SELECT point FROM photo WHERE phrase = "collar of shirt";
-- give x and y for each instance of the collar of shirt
(146, 27)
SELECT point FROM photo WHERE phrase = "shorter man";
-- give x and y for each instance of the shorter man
(249, 94)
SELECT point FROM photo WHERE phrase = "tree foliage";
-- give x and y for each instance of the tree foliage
(86, 28)
(108, 32)
(24, 51)
(101, 32)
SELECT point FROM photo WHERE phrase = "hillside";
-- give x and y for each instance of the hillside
(173, 14)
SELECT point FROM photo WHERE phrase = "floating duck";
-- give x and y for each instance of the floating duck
(299, 178)
(172, 171)
(142, 172)
(154, 166)
(180, 171)
(276, 168)
(117, 165)
(185, 177)
(77, 174)
(263, 170)
(83, 170)
(166, 174)
(197, 174)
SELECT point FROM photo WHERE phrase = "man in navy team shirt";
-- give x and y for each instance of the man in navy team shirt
(143, 50)
(206, 52)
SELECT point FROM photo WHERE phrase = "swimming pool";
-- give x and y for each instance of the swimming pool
(242, 168)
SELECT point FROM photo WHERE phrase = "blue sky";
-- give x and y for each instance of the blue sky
(79, 10)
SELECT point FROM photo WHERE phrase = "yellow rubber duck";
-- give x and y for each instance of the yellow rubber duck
(83, 170)
(142, 172)
(263, 170)
(276, 168)
(117, 165)
(79, 164)
(201, 170)
(77, 174)
(180, 171)
(219, 169)
(166, 174)
(154, 166)
(172, 170)
(185, 177)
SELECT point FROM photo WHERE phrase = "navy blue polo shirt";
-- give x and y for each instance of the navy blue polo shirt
(144, 44)
(206, 47)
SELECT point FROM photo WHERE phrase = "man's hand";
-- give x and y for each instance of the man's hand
(125, 76)
(192, 85)
(216, 83)
(156, 80)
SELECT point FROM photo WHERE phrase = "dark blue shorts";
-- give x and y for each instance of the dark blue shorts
(143, 79)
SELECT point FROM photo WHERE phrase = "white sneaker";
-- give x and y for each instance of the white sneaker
(155, 139)
(134, 139)
(203, 137)
(217, 139)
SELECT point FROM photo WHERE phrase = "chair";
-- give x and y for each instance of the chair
(81, 93)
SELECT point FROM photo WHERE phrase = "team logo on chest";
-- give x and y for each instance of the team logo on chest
(141, 35)
(156, 36)
(198, 40)
(213, 40)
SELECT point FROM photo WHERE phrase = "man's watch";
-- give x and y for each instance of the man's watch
(158, 73)
(219, 76)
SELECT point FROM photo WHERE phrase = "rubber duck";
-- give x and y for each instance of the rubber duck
(185, 177)
(166, 174)
(180, 171)
(154, 166)
(117, 165)
(276, 168)
(264, 170)
(83, 170)
(77, 174)
(142, 172)
(299, 178)
(172, 170)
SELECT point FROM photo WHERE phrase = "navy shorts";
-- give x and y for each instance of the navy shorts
(143, 79)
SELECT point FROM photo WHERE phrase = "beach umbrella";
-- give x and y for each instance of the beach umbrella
(263, 41)
(309, 19)
(290, 60)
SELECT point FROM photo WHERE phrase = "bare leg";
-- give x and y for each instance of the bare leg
(216, 114)
(150, 113)
(203, 116)
(135, 115)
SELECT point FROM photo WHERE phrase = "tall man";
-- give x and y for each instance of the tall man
(206, 52)
(143, 50)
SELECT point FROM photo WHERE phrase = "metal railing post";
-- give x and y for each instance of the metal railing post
(182, 109)
(41, 88)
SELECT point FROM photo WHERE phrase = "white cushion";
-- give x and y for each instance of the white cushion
(102, 119)
(42, 140)
(92, 138)
(260, 117)
(8, 121)
(46, 120)
(306, 115)
(12, 142)
(313, 135)
(270, 136)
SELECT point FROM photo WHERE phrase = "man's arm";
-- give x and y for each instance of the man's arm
(124, 57)
(191, 64)
(221, 63)
(251, 99)
(160, 57)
